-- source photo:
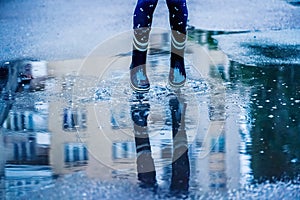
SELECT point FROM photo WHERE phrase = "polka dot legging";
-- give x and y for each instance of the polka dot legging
(142, 21)
(143, 13)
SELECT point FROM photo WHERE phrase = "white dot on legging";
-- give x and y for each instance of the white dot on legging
(141, 9)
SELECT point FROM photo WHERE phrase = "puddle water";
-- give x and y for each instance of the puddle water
(231, 132)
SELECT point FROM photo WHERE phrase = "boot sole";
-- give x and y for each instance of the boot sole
(141, 90)
(177, 85)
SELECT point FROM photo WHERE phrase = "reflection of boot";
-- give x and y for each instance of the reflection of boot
(177, 74)
(139, 115)
(180, 164)
(145, 163)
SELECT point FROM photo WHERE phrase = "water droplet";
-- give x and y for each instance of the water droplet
(271, 116)
(294, 160)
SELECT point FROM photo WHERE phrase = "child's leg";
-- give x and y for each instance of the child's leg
(142, 21)
(178, 15)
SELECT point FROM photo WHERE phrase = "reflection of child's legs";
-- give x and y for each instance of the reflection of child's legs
(180, 160)
(142, 21)
(144, 160)
(178, 15)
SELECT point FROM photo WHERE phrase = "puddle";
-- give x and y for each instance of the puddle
(78, 135)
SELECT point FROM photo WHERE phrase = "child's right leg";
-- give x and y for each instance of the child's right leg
(142, 21)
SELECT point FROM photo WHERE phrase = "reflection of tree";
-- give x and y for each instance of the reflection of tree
(204, 37)
(8, 85)
(274, 111)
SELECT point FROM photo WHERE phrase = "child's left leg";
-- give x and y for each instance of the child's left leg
(178, 15)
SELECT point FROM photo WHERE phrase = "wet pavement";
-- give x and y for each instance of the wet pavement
(262, 48)
(75, 135)
(71, 127)
(62, 30)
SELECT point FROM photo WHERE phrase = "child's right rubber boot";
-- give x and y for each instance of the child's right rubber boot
(139, 81)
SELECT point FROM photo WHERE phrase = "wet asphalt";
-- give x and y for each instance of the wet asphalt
(63, 30)
(60, 30)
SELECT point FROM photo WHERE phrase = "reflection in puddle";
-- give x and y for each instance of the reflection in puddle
(232, 126)
(178, 158)
(25, 138)
(273, 109)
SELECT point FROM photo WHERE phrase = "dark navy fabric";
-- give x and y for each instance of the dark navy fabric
(178, 14)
